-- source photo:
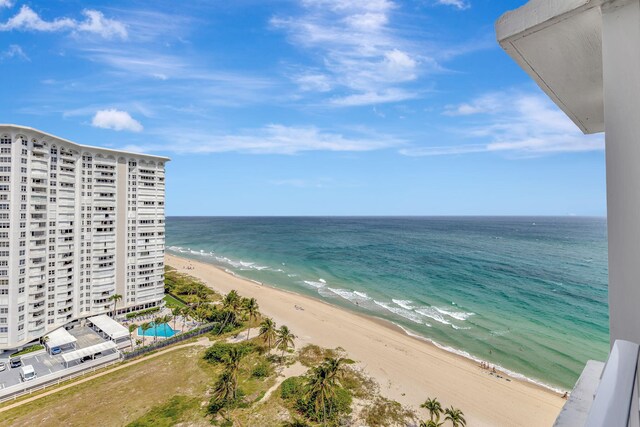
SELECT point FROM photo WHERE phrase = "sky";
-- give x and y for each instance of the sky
(303, 107)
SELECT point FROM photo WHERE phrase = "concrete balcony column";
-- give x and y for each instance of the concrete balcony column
(621, 76)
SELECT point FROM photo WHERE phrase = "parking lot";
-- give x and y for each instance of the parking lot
(45, 364)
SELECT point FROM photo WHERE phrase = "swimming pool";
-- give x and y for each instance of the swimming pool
(162, 330)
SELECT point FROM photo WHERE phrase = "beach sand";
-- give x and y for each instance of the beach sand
(408, 369)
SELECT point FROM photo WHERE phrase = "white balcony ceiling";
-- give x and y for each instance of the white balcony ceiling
(559, 44)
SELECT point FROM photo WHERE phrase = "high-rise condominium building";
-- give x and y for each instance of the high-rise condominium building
(78, 224)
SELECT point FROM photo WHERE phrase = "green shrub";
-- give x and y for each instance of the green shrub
(292, 387)
(262, 369)
(217, 352)
(26, 350)
(336, 405)
(142, 312)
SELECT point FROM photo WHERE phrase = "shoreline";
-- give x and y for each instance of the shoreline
(523, 401)
(515, 376)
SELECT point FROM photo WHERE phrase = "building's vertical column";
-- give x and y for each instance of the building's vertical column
(122, 229)
(621, 73)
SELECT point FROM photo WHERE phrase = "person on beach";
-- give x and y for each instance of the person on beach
(565, 396)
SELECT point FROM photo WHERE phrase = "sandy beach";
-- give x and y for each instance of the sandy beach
(408, 369)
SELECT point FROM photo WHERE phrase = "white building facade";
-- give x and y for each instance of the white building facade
(78, 224)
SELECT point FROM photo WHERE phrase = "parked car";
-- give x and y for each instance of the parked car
(85, 358)
(56, 350)
(3, 366)
(27, 373)
(16, 362)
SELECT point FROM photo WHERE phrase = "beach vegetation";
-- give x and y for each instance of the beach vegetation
(455, 416)
(434, 407)
(187, 288)
(284, 339)
(251, 307)
(268, 332)
(383, 412)
(262, 370)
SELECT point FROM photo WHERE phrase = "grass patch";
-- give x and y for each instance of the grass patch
(124, 395)
(28, 350)
(312, 355)
(172, 302)
(167, 414)
(186, 287)
(386, 413)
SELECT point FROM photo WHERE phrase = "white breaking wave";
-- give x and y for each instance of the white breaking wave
(407, 314)
(432, 313)
(459, 315)
(404, 303)
(315, 284)
(351, 296)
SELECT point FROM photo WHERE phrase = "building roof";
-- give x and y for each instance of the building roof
(109, 326)
(88, 351)
(60, 337)
(81, 146)
(559, 44)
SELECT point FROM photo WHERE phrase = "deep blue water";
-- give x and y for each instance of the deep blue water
(527, 294)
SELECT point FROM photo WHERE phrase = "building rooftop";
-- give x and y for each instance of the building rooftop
(103, 149)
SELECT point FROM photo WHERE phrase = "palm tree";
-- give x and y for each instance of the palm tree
(157, 321)
(132, 327)
(455, 416)
(434, 407)
(251, 308)
(321, 387)
(285, 339)
(176, 311)
(334, 366)
(232, 365)
(230, 303)
(145, 327)
(115, 298)
(201, 295)
(431, 423)
(166, 319)
(268, 331)
(225, 387)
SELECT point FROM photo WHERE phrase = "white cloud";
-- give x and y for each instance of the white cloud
(95, 23)
(271, 139)
(514, 122)
(458, 4)
(6, 3)
(362, 58)
(116, 120)
(368, 98)
(14, 51)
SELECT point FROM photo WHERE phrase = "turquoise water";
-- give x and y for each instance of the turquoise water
(526, 294)
(162, 330)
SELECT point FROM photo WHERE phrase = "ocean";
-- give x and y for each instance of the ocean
(527, 294)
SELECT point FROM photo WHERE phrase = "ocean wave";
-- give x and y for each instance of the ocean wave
(432, 313)
(351, 296)
(404, 303)
(315, 284)
(469, 356)
(458, 315)
(402, 312)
